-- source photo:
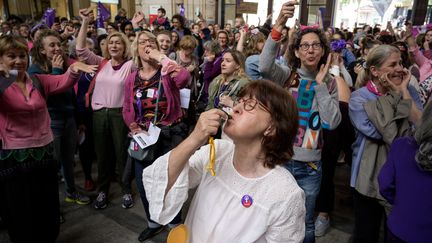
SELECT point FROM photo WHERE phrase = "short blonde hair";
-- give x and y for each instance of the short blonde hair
(134, 46)
(188, 42)
(125, 41)
(8, 42)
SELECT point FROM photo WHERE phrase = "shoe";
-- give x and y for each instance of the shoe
(62, 219)
(321, 226)
(149, 233)
(89, 185)
(101, 201)
(127, 201)
(77, 198)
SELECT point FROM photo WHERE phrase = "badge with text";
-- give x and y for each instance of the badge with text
(247, 201)
(146, 139)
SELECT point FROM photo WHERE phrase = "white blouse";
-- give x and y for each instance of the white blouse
(217, 212)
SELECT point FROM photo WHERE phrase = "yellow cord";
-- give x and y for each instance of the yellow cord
(212, 156)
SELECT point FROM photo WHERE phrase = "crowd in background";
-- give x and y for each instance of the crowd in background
(363, 96)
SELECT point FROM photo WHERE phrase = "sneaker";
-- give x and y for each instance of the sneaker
(89, 185)
(149, 233)
(62, 219)
(321, 226)
(77, 198)
(127, 201)
(101, 201)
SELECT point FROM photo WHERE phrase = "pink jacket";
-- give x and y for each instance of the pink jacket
(424, 64)
(25, 122)
(171, 88)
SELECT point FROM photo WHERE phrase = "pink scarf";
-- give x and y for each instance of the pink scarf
(371, 86)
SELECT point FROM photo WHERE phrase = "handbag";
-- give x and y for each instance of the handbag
(148, 153)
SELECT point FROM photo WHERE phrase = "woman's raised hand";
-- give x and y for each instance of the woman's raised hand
(324, 70)
(79, 66)
(287, 11)
(86, 14)
(138, 17)
(207, 125)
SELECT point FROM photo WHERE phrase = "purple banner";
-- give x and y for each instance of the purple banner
(182, 10)
(48, 17)
(103, 14)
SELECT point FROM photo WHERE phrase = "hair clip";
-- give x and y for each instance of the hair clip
(307, 27)
(254, 31)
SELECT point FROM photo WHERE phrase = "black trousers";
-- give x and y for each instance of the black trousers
(335, 141)
(368, 215)
(29, 204)
(87, 149)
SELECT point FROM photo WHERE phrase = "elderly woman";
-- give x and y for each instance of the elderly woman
(211, 66)
(107, 90)
(239, 202)
(382, 109)
(152, 97)
(27, 168)
(315, 90)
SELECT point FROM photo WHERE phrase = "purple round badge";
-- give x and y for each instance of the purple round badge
(247, 201)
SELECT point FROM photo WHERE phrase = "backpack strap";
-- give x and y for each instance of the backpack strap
(289, 81)
(6, 82)
(93, 83)
(37, 85)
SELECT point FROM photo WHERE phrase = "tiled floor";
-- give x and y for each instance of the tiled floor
(115, 224)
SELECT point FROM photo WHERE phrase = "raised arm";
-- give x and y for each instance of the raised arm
(241, 41)
(86, 16)
(136, 20)
(54, 84)
(82, 51)
(268, 68)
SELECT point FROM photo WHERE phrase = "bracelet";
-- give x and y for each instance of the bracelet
(276, 35)
(138, 29)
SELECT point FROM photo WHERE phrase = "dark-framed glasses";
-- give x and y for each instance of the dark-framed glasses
(306, 46)
(250, 103)
(145, 41)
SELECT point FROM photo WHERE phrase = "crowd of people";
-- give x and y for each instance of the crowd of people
(255, 117)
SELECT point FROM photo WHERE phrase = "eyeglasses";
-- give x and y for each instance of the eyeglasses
(144, 41)
(315, 46)
(250, 104)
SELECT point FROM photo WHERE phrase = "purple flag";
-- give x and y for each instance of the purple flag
(182, 10)
(48, 17)
(102, 15)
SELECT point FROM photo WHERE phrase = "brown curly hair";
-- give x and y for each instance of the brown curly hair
(294, 61)
(278, 147)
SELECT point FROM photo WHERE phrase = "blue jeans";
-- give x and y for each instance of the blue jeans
(309, 179)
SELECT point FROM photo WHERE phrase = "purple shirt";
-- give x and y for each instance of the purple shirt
(409, 190)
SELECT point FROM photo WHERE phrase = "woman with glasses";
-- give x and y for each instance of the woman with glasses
(315, 90)
(152, 97)
(107, 95)
(239, 202)
(224, 89)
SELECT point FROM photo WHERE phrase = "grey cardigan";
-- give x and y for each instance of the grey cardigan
(325, 101)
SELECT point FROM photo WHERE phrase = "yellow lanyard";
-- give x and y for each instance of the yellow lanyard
(210, 166)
